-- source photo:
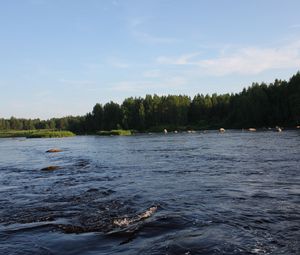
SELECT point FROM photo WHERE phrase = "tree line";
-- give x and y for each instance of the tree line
(260, 105)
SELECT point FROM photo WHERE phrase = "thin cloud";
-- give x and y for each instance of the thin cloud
(247, 60)
(77, 83)
(185, 59)
(115, 3)
(138, 86)
(118, 63)
(295, 26)
(147, 38)
(143, 36)
(155, 73)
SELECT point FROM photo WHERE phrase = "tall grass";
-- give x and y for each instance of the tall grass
(114, 132)
(39, 133)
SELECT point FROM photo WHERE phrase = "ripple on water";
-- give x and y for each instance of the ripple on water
(232, 194)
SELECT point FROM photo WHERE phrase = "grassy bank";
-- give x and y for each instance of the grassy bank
(115, 132)
(40, 133)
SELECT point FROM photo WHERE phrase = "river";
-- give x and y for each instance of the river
(200, 193)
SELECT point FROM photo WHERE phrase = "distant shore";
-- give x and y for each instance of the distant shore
(45, 133)
(258, 106)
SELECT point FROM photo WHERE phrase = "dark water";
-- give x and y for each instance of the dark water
(232, 193)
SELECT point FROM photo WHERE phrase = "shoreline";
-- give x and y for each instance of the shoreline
(41, 133)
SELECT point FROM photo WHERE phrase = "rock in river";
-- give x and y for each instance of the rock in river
(50, 168)
(53, 150)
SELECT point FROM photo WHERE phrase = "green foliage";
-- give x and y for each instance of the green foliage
(35, 133)
(98, 117)
(115, 132)
(112, 116)
(50, 134)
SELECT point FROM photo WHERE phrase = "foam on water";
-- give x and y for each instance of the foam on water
(127, 221)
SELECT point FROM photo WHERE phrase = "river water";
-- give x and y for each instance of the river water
(200, 193)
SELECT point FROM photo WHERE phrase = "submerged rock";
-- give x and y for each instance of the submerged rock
(129, 220)
(53, 150)
(50, 168)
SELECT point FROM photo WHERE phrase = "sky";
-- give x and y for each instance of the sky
(61, 57)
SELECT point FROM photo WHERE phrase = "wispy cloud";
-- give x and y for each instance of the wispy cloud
(115, 3)
(77, 83)
(135, 27)
(245, 60)
(295, 26)
(141, 86)
(185, 59)
(148, 38)
(155, 73)
(93, 66)
(117, 62)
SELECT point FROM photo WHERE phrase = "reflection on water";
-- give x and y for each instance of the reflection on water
(231, 193)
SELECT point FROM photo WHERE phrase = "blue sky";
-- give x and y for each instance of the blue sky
(60, 57)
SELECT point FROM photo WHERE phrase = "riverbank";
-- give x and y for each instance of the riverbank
(39, 133)
(46, 133)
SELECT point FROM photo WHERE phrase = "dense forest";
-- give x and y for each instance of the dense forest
(260, 105)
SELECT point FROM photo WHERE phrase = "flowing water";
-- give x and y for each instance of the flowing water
(201, 193)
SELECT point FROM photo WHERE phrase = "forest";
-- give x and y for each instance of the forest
(260, 105)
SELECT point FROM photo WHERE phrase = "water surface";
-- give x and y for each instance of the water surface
(231, 193)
